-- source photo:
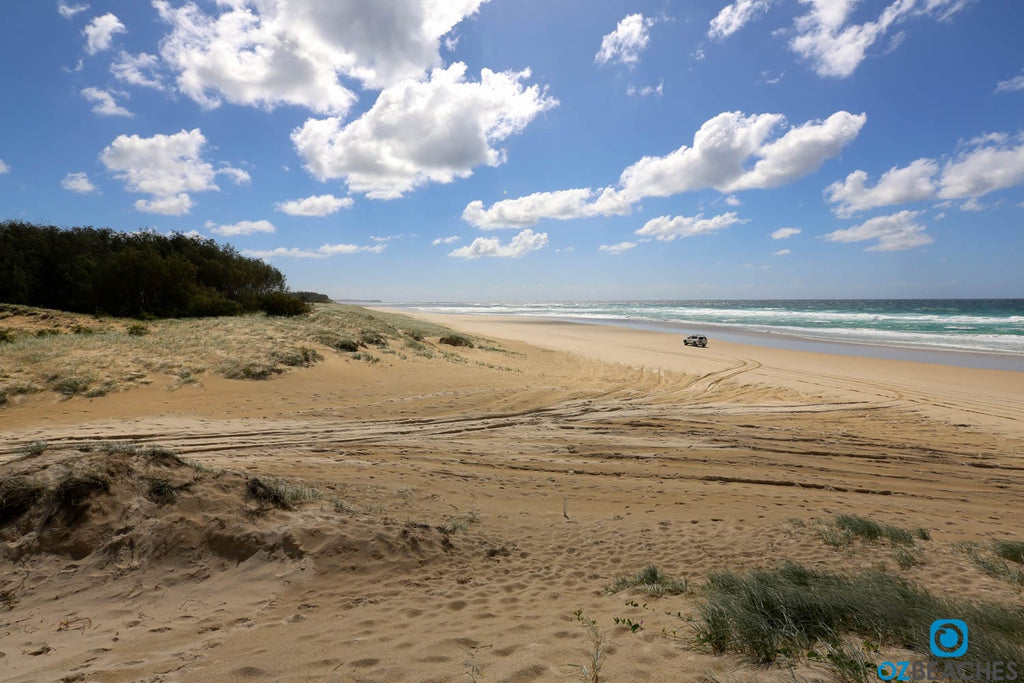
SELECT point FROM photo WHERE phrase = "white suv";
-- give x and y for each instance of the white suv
(696, 340)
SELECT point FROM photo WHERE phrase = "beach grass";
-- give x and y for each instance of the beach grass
(791, 611)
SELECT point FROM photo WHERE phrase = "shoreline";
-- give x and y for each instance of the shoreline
(776, 340)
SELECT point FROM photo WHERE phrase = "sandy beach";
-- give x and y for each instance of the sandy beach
(475, 503)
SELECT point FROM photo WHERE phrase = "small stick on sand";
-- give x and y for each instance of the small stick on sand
(565, 506)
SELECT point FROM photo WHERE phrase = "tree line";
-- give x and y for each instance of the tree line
(140, 274)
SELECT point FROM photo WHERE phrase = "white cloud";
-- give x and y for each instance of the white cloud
(658, 90)
(419, 132)
(721, 148)
(896, 186)
(69, 11)
(78, 182)
(726, 142)
(617, 248)
(733, 17)
(782, 252)
(317, 205)
(238, 176)
(242, 228)
(835, 47)
(893, 233)
(626, 42)
(141, 69)
(1012, 84)
(262, 53)
(104, 103)
(785, 233)
(4, 168)
(165, 166)
(985, 164)
(168, 205)
(667, 229)
(323, 251)
(561, 205)
(445, 240)
(733, 200)
(521, 244)
(100, 32)
(983, 169)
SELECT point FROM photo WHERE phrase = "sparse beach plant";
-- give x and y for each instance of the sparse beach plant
(162, 491)
(281, 494)
(591, 671)
(34, 448)
(650, 580)
(137, 330)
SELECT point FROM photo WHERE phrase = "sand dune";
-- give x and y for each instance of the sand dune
(470, 506)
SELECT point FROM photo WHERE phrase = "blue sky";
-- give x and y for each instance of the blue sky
(426, 150)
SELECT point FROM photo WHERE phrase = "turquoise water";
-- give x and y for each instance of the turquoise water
(990, 326)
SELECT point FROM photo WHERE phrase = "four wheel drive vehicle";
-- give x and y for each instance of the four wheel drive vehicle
(696, 340)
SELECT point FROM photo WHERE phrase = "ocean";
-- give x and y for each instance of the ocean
(993, 327)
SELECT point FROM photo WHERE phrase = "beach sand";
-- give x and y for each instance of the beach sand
(472, 506)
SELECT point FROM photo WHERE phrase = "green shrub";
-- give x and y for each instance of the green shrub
(370, 338)
(283, 304)
(6, 336)
(137, 330)
(302, 356)
(456, 340)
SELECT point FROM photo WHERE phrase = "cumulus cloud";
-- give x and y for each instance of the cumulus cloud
(4, 168)
(735, 16)
(726, 142)
(104, 103)
(896, 186)
(617, 248)
(267, 54)
(1010, 85)
(985, 164)
(785, 233)
(167, 167)
(445, 240)
(521, 244)
(782, 252)
(141, 69)
(100, 32)
(69, 11)
(170, 205)
(627, 41)
(323, 251)
(422, 131)
(317, 205)
(835, 47)
(996, 164)
(718, 159)
(893, 233)
(78, 182)
(242, 228)
(668, 228)
(561, 205)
